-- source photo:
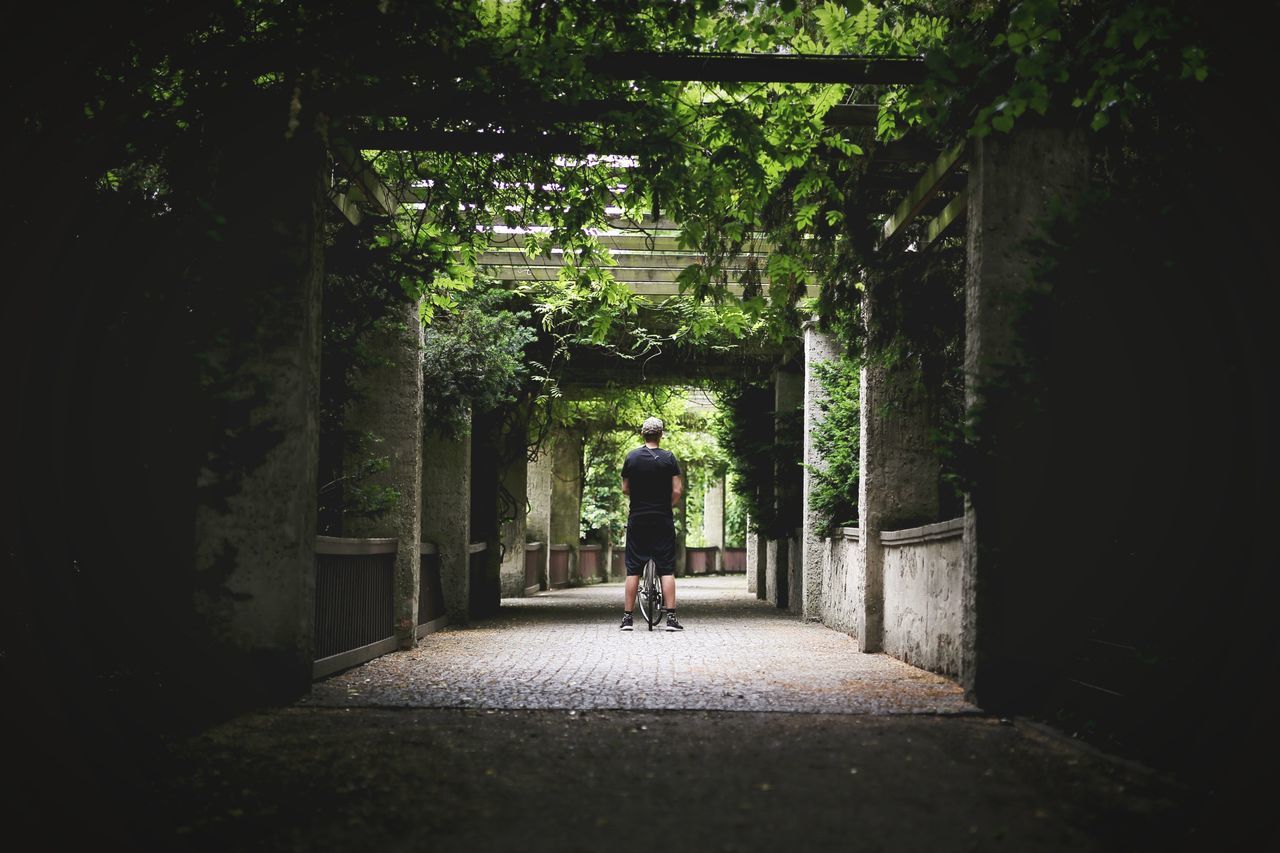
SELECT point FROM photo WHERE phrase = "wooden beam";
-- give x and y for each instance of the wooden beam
(951, 214)
(637, 260)
(625, 275)
(364, 175)
(469, 142)
(852, 115)
(925, 188)
(660, 242)
(756, 68)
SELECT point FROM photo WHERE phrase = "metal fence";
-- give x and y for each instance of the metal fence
(431, 612)
(558, 570)
(591, 563)
(355, 602)
(734, 560)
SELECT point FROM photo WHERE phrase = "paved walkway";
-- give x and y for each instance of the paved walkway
(563, 650)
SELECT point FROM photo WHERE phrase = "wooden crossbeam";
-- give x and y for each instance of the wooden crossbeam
(638, 260)
(756, 68)
(925, 188)
(365, 177)
(626, 275)
(660, 242)
(941, 224)
(467, 142)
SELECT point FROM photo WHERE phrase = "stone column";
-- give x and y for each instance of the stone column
(255, 527)
(898, 476)
(566, 494)
(1014, 181)
(389, 407)
(446, 516)
(818, 348)
(755, 563)
(486, 441)
(713, 520)
(781, 579)
(513, 505)
(538, 520)
(680, 510)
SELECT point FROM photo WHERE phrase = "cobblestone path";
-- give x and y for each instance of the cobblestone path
(563, 650)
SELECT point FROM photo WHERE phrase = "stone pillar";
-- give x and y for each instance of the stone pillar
(781, 574)
(1014, 181)
(389, 407)
(680, 510)
(513, 507)
(713, 520)
(486, 450)
(755, 561)
(446, 516)
(818, 348)
(566, 494)
(255, 527)
(538, 520)
(898, 473)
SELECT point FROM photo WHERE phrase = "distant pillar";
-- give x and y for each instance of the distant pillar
(818, 349)
(681, 512)
(1007, 632)
(898, 472)
(566, 494)
(446, 516)
(513, 502)
(254, 560)
(485, 566)
(755, 561)
(782, 573)
(538, 520)
(389, 406)
(713, 520)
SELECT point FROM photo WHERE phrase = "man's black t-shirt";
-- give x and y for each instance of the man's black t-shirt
(648, 472)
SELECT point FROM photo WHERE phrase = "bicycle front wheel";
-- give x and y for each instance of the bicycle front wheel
(650, 595)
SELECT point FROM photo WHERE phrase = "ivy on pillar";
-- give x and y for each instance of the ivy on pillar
(446, 515)
(819, 348)
(1008, 635)
(255, 527)
(898, 470)
(388, 406)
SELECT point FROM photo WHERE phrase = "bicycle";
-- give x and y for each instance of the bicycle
(651, 604)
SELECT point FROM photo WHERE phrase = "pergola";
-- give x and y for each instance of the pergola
(647, 254)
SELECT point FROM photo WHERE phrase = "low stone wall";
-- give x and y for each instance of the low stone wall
(922, 596)
(841, 570)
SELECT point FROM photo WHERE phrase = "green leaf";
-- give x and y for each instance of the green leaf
(1002, 123)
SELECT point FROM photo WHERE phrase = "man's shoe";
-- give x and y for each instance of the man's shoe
(626, 623)
(672, 624)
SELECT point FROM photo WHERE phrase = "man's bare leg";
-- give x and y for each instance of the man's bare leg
(629, 593)
(668, 592)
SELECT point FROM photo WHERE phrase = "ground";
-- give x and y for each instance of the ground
(547, 728)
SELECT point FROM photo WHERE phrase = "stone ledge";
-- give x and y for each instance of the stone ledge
(533, 546)
(425, 548)
(477, 547)
(559, 547)
(928, 533)
(851, 533)
(338, 545)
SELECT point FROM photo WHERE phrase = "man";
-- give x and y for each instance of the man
(651, 479)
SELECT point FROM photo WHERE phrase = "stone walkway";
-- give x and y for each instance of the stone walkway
(562, 650)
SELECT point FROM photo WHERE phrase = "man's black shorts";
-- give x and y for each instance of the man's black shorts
(651, 536)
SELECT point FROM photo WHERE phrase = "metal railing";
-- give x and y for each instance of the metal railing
(355, 602)
(431, 611)
(558, 570)
(534, 560)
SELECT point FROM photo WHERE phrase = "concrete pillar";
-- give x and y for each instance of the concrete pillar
(818, 348)
(782, 572)
(898, 473)
(713, 520)
(1014, 181)
(486, 451)
(755, 561)
(538, 519)
(255, 528)
(680, 510)
(513, 507)
(389, 406)
(566, 494)
(446, 516)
